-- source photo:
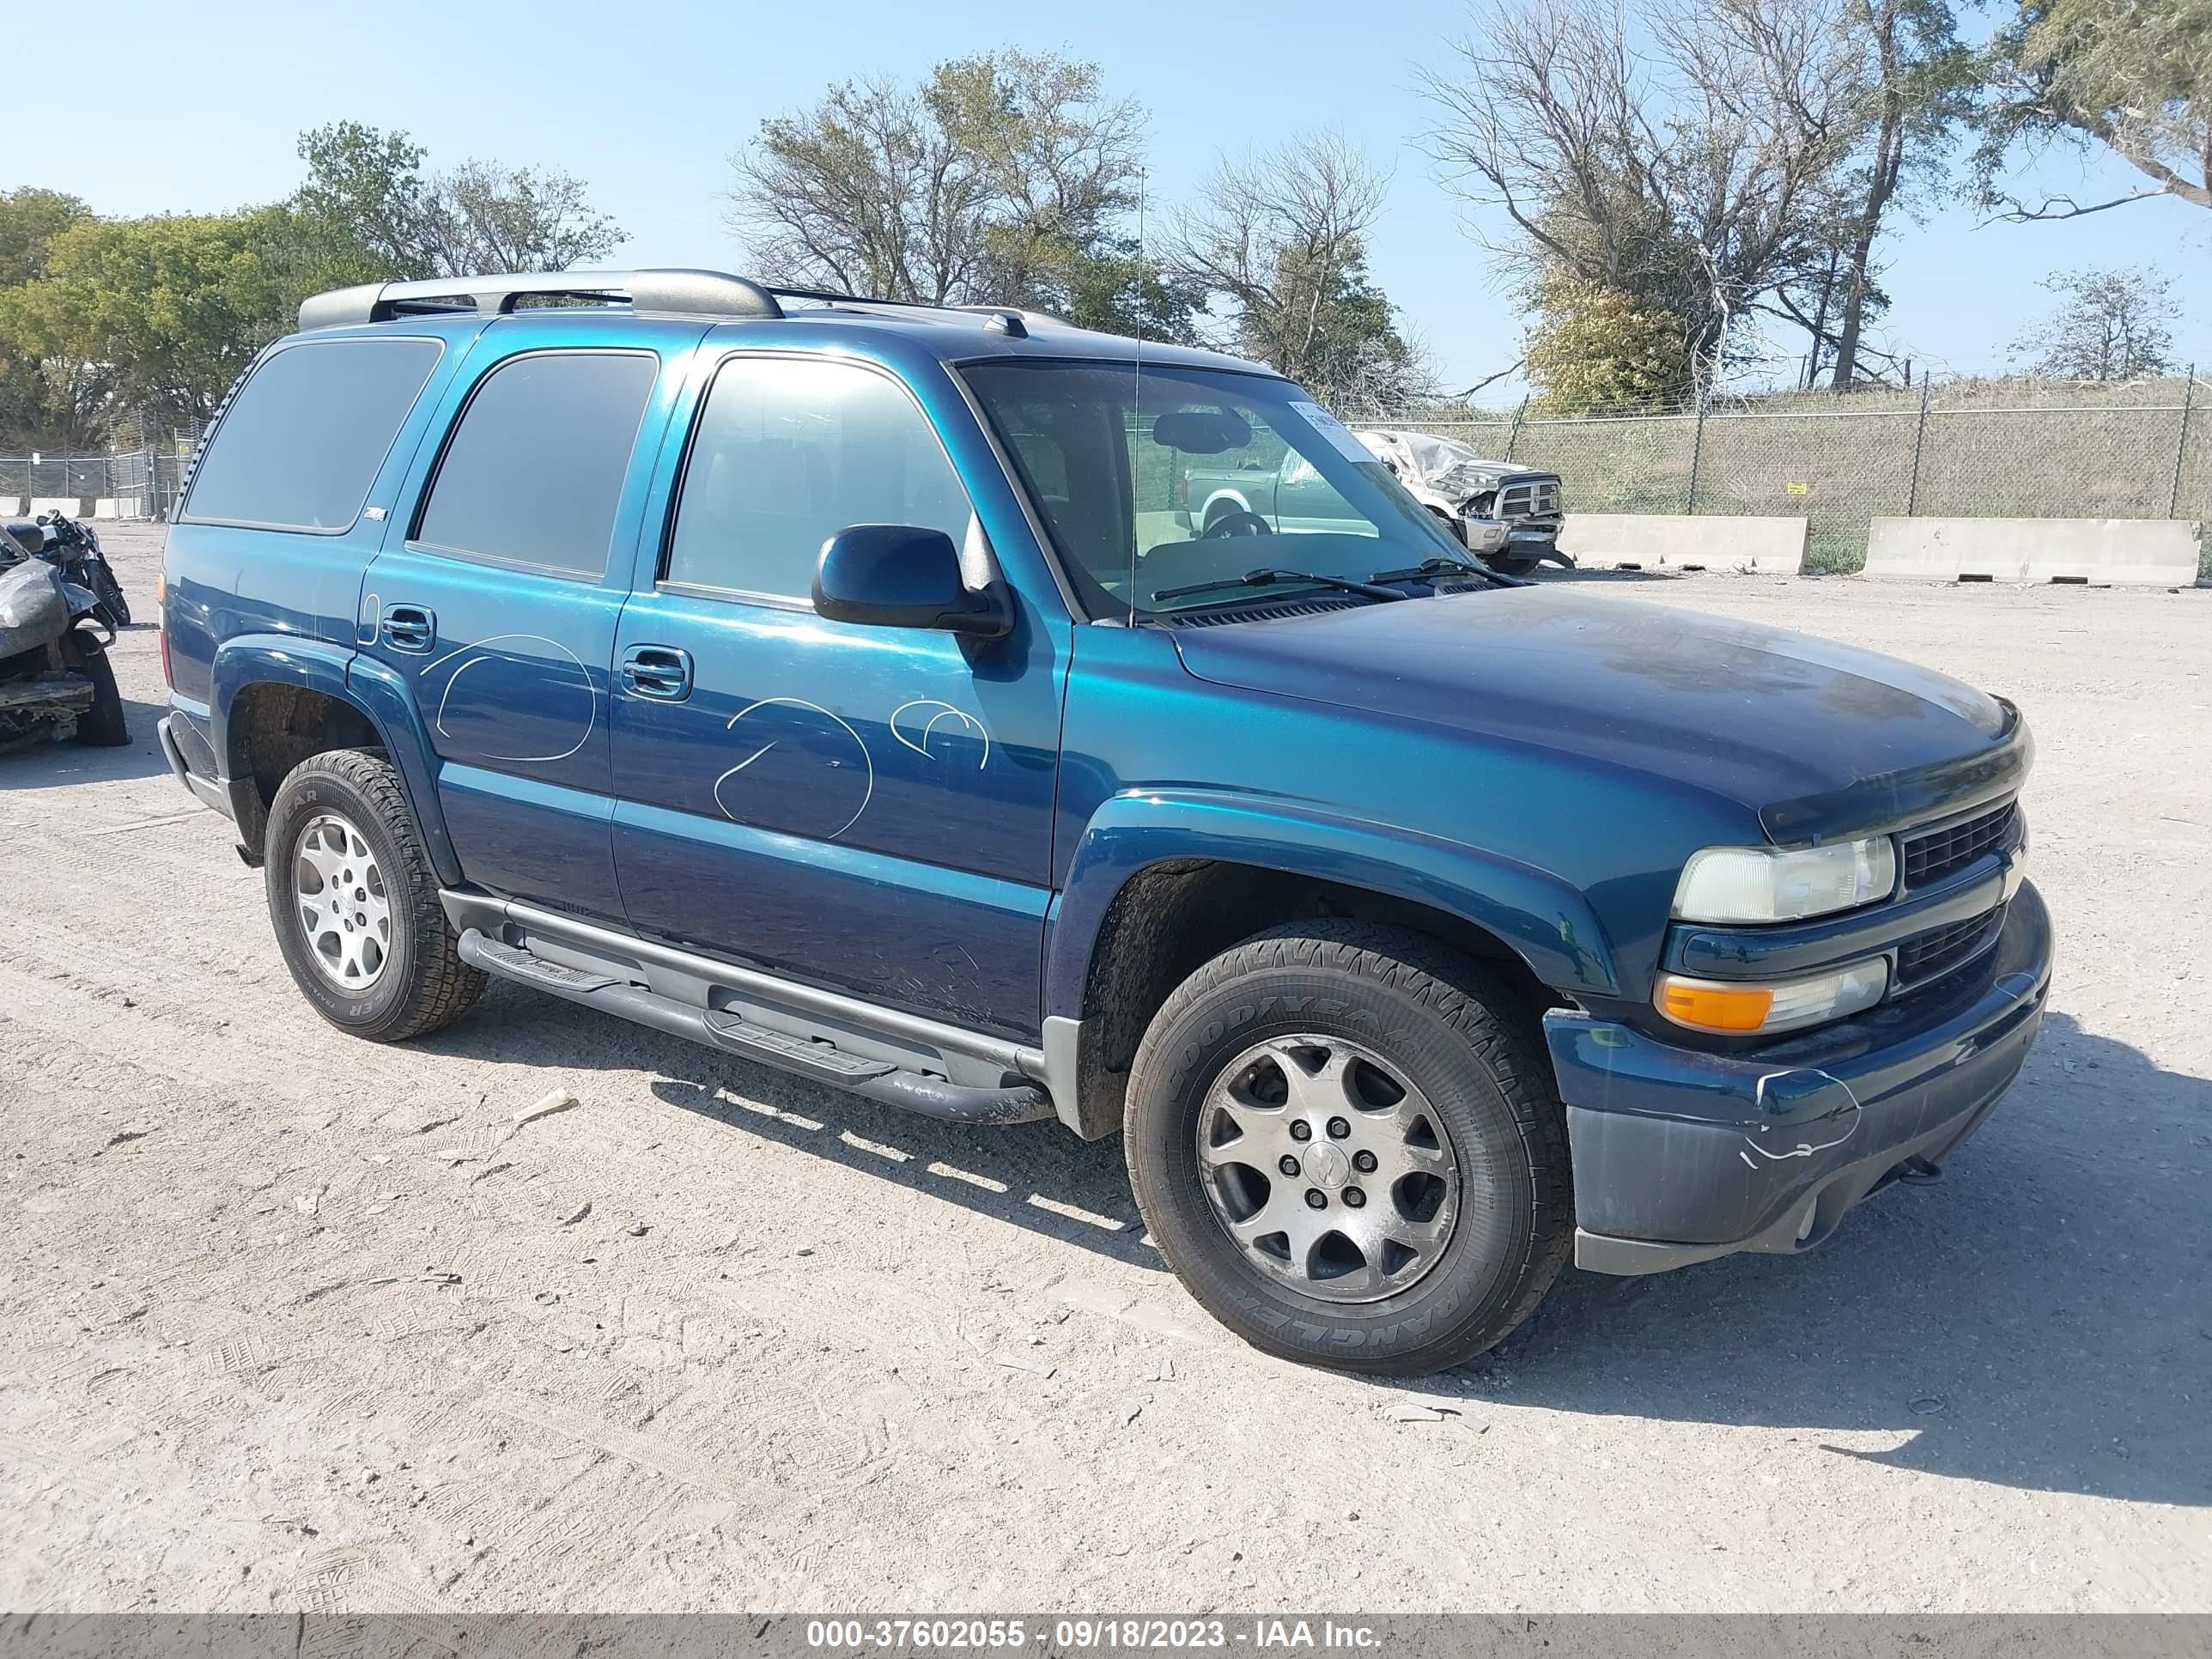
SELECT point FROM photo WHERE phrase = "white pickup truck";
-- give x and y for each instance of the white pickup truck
(1508, 514)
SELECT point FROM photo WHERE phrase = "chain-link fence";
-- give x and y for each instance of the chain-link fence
(136, 483)
(2014, 448)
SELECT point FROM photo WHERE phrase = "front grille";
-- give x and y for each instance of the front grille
(1937, 952)
(1538, 498)
(1934, 854)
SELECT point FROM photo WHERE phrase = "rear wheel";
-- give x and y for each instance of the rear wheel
(355, 902)
(1344, 1141)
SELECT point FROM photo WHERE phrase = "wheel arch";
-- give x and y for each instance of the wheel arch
(278, 700)
(1162, 883)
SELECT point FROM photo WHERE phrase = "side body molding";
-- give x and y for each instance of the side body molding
(1544, 919)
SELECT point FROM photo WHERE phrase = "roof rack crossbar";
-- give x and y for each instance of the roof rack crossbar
(688, 293)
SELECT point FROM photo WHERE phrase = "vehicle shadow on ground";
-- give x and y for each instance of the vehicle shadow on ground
(43, 765)
(1037, 1177)
(2041, 1318)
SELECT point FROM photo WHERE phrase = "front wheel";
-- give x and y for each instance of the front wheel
(355, 902)
(1344, 1141)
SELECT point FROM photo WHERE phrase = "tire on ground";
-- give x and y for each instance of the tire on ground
(423, 983)
(101, 726)
(1464, 1039)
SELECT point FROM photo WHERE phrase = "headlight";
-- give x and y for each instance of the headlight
(1738, 1008)
(1763, 884)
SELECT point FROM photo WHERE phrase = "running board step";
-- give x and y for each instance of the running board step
(512, 963)
(819, 1061)
(932, 1097)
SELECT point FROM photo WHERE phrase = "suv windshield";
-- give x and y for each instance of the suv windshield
(1178, 478)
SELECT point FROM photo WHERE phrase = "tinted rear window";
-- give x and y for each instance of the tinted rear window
(535, 470)
(301, 445)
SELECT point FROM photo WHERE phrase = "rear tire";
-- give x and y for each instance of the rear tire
(1510, 564)
(1415, 1060)
(355, 902)
(101, 726)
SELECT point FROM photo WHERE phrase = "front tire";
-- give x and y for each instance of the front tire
(355, 902)
(1397, 1082)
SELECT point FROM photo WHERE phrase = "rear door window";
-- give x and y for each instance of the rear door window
(301, 443)
(788, 452)
(533, 473)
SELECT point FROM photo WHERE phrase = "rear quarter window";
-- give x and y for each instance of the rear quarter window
(302, 442)
(533, 473)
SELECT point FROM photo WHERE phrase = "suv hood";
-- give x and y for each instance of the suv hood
(1759, 715)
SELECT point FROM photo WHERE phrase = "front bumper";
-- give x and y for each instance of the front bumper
(1681, 1156)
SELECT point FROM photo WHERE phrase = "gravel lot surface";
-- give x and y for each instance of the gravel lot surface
(292, 1321)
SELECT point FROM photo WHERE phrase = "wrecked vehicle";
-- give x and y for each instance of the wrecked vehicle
(1511, 515)
(847, 687)
(56, 682)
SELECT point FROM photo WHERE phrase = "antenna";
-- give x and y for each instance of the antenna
(1137, 397)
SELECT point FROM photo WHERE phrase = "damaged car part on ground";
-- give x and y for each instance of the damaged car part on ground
(56, 682)
(848, 686)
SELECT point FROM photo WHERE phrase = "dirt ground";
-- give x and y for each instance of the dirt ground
(296, 1322)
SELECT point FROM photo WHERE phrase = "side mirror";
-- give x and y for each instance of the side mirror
(897, 575)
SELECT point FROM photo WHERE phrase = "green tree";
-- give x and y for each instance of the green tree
(2112, 325)
(1594, 347)
(41, 403)
(2132, 76)
(371, 213)
(163, 313)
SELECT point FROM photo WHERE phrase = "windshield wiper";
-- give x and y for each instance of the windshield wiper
(1262, 578)
(1443, 567)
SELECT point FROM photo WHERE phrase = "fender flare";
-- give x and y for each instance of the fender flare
(1544, 920)
(368, 687)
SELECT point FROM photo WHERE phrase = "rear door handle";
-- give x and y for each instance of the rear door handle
(660, 672)
(410, 627)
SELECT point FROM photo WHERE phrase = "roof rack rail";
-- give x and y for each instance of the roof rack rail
(689, 293)
(1011, 319)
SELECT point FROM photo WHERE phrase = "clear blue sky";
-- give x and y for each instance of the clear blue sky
(168, 109)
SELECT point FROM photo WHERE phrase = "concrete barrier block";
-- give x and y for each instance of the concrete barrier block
(68, 505)
(11, 507)
(1720, 540)
(116, 507)
(2159, 552)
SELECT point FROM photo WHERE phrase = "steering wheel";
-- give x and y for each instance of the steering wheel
(1237, 521)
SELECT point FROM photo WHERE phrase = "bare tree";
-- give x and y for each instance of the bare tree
(2111, 327)
(1280, 237)
(866, 193)
(1916, 77)
(1695, 174)
(1007, 177)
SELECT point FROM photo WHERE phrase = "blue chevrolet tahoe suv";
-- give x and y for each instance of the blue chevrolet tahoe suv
(843, 685)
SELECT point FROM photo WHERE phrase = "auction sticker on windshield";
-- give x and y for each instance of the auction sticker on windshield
(1335, 431)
